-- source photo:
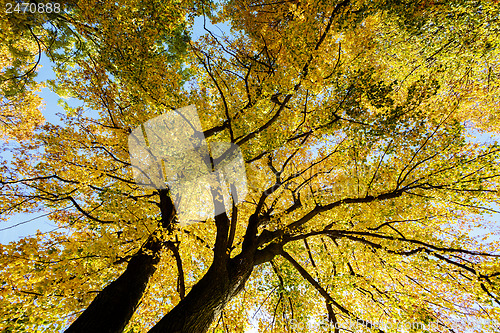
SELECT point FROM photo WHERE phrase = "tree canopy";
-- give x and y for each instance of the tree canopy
(371, 188)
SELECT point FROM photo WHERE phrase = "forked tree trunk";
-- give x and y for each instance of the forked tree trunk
(113, 307)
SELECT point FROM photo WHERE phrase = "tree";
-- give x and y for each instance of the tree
(365, 188)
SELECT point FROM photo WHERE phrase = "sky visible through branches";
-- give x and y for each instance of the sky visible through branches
(24, 224)
(356, 173)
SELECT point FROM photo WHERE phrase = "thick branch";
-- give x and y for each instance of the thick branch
(266, 237)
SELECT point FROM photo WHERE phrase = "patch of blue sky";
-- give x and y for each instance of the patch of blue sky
(26, 224)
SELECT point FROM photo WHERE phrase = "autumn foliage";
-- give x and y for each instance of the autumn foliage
(364, 126)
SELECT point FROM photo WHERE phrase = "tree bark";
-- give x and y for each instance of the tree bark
(112, 308)
(206, 300)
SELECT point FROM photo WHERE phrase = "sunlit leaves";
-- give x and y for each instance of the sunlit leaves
(354, 120)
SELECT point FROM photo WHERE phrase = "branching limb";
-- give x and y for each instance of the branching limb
(329, 300)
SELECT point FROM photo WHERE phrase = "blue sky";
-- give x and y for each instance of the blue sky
(21, 225)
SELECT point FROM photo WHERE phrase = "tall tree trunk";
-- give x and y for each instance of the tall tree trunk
(206, 300)
(112, 308)
(225, 278)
